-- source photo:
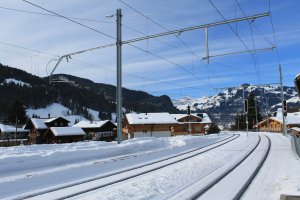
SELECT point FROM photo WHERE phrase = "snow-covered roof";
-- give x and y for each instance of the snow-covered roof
(150, 118)
(180, 116)
(67, 131)
(10, 129)
(205, 118)
(39, 123)
(291, 118)
(295, 128)
(90, 124)
(52, 119)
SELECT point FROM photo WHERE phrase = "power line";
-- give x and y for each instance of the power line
(177, 36)
(112, 38)
(163, 27)
(141, 77)
(234, 33)
(69, 19)
(28, 49)
(171, 62)
(254, 46)
(53, 15)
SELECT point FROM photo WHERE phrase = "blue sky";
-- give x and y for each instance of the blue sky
(185, 73)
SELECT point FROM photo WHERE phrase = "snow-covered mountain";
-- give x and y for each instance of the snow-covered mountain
(223, 106)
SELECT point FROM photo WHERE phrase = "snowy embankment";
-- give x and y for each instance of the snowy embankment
(26, 158)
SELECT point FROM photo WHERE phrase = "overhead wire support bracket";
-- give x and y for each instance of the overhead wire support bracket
(239, 52)
(179, 31)
(68, 56)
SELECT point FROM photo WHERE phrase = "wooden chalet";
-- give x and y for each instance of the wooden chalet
(148, 125)
(55, 135)
(197, 123)
(10, 135)
(295, 131)
(39, 126)
(98, 130)
(274, 124)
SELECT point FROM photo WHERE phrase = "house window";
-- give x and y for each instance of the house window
(61, 124)
(144, 131)
(55, 123)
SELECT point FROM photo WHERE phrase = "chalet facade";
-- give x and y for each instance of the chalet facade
(98, 130)
(148, 125)
(39, 126)
(295, 131)
(194, 124)
(55, 135)
(10, 135)
(274, 124)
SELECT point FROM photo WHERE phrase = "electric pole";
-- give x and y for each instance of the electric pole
(119, 74)
(282, 98)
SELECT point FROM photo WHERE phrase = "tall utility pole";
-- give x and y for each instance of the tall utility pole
(119, 74)
(256, 121)
(245, 109)
(282, 98)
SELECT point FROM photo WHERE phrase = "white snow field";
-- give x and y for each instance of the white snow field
(27, 170)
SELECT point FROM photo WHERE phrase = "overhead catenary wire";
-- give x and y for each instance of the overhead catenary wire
(104, 68)
(166, 29)
(54, 15)
(102, 33)
(69, 19)
(253, 42)
(235, 34)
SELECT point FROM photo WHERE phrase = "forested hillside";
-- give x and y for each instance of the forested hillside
(76, 93)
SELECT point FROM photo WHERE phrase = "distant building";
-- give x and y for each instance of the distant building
(64, 135)
(39, 126)
(198, 123)
(10, 135)
(274, 124)
(148, 125)
(98, 130)
(164, 124)
(295, 131)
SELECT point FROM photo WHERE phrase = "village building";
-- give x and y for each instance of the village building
(98, 130)
(39, 126)
(274, 124)
(148, 125)
(55, 135)
(10, 135)
(295, 131)
(196, 123)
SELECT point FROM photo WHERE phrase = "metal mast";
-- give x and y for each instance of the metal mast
(282, 98)
(119, 75)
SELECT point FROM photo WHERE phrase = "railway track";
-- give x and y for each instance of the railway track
(214, 186)
(82, 187)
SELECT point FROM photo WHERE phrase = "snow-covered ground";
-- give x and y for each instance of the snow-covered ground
(27, 169)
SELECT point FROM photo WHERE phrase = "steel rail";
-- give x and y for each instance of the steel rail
(192, 192)
(209, 186)
(242, 191)
(227, 140)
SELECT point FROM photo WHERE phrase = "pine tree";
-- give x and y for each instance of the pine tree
(16, 111)
(213, 128)
(253, 110)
